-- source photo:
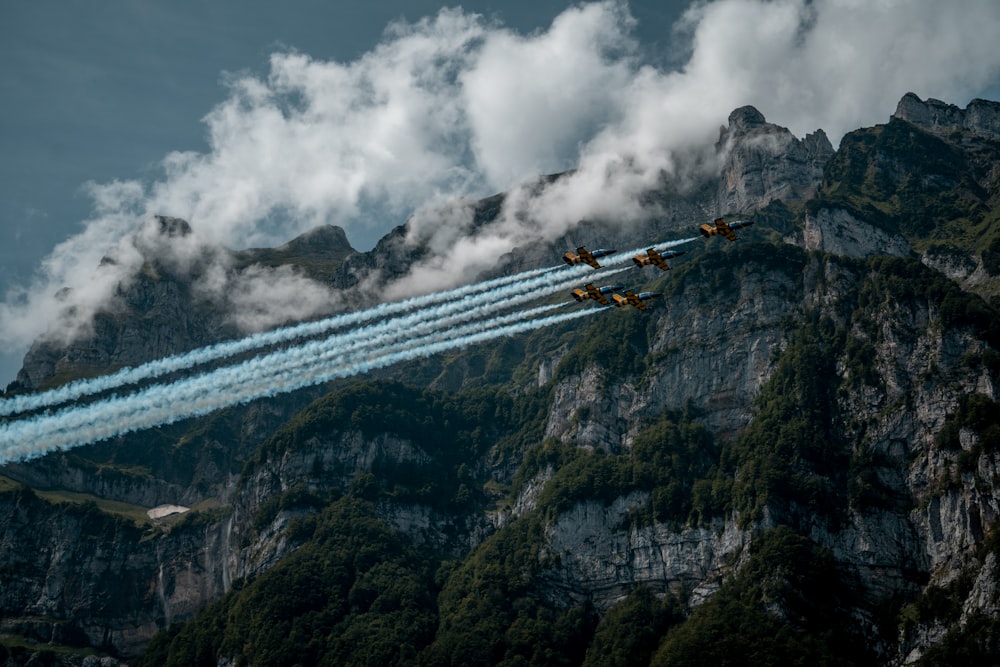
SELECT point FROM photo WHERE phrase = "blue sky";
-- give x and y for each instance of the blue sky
(103, 92)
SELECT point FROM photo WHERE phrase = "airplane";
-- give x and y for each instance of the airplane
(584, 256)
(722, 228)
(656, 259)
(632, 299)
(591, 292)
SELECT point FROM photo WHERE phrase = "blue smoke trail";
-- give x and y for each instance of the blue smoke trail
(369, 347)
(164, 404)
(188, 360)
(496, 288)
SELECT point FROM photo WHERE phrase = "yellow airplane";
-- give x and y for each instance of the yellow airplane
(630, 298)
(723, 228)
(584, 256)
(656, 259)
(591, 292)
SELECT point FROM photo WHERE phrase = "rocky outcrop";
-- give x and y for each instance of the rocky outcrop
(712, 343)
(154, 318)
(172, 303)
(838, 232)
(79, 577)
(764, 162)
(600, 563)
(926, 523)
(980, 117)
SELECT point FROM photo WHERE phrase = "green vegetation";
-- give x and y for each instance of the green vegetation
(453, 431)
(928, 189)
(630, 632)
(355, 594)
(134, 513)
(981, 415)
(793, 453)
(7, 484)
(491, 612)
(618, 345)
(975, 644)
(666, 460)
(786, 606)
(903, 180)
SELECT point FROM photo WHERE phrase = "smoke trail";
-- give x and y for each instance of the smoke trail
(209, 391)
(303, 365)
(627, 256)
(218, 351)
(257, 378)
(278, 372)
(189, 360)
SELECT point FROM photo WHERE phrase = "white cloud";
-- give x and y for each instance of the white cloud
(262, 298)
(453, 107)
(532, 100)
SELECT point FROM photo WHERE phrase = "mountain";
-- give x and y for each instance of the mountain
(793, 458)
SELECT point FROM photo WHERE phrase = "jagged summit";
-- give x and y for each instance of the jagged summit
(981, 117)
(826, 417)
(171, 227)
(745, 118)
(325, 238)
(764, 161)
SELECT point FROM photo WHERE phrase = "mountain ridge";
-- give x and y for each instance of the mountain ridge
(817, 396)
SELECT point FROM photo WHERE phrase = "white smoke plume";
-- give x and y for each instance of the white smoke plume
(441, 110)
(465, 317)
(405, 330)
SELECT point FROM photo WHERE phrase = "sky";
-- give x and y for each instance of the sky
(256, 121)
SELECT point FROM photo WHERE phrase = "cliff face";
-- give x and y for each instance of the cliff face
(981, 117)
(179, 299)
(766, 162)
(79, 577)
(923, 508)
(847, 384)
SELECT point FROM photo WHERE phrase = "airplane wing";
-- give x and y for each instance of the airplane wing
(591, 257)
(713, 229)
(589, 291)
(722, 228)
(596, 294)
(630, 298)
(584, 256)
(656, 259)
(587, 257)
(642, 259)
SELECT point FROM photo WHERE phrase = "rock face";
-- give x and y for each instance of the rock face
(765, 162)
(163, 308)
(981, 117)
(913, 511)
(82, 578)
(837, 231)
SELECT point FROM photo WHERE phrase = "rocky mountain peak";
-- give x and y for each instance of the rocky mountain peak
(329, 239)
(981, 117)
(764, 162)
(745, 118)
(171, 227)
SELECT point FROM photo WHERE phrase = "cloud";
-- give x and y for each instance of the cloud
(455, 107)
(830, 64)
(532, 100)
